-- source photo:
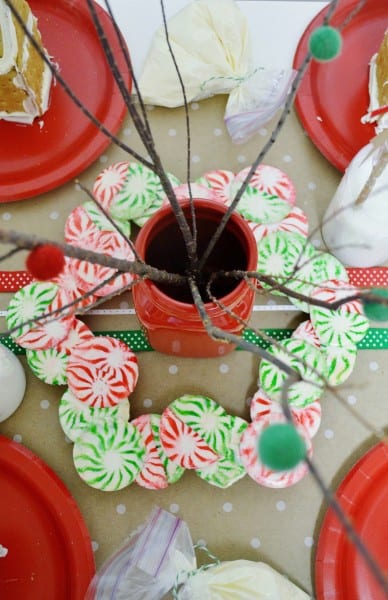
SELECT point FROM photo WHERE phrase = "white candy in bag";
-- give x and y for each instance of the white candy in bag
(159, 558)
(240, 580)
(210, 40)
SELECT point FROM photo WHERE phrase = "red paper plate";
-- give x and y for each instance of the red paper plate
(340, 571)
(49, 549)
(39, 157)
(333, 96)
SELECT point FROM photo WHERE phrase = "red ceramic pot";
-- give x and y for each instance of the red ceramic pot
(167, 313)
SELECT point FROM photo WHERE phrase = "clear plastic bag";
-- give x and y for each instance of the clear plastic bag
(256, 100)
(148, 564)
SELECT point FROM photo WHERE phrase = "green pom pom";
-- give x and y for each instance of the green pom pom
(375, 310)
(325, 43)
(280, 447)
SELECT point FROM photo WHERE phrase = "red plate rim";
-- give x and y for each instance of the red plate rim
(306, 103)
(44, 482)
(354, 486)
(79, 155)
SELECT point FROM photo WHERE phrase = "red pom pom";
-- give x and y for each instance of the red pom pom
(45, 262)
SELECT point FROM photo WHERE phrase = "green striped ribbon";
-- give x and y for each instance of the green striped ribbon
(375, 339)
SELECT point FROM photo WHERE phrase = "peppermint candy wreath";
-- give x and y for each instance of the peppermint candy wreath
(194, 432)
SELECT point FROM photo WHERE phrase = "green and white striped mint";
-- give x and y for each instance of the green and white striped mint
(228, 469)
(109, 455)
(261, 207)
(345, 326)
(306, 360)
(100, 220)
(312, 274)
(206, 417)
(75, 417)
(173, 471)
(142, 220)
(48, 365)
(280, 253)
(340, 363)
(140, 190)
(28, 303)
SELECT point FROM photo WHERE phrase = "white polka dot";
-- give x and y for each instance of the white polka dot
(241, 158)
(263, 131)
(174, 508)
(7, 216)
(17, 438)
(223, 368)
(194, 105)
(172, 132)
(45, 404)
(121, 509)
(124, 305)
(54, 215)
(228, 507)
(351, 399)
(329, 434)
(173, 369)
(308, 541)
(287, 158)
(255, 542)
(202, 542)
(95, 546)
(147, 403)
(195, 158)
(374, 366)
(103, 158)
(281, 505)
(316, 243)
(221, 349)
(311, 185)
(217, 132)
(127, 131)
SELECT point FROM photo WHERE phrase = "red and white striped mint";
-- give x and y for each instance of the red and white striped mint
(262, 407)
(79, 227)
(100, 388)
(221, 184)
(109, 182)
(182, 444)
(344, 326)
(106, 354)
(305, 331)
(51, 330)
(69, 282)
(271, 180)
(295, 222)
(251, 461)
(152, 475)
(79, 332)
(92, 275)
